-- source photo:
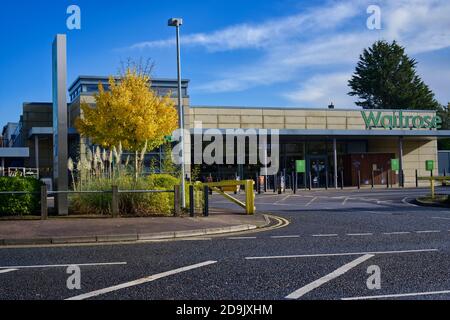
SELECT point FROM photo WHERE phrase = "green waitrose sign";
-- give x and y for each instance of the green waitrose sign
(300, 166)
(395, 165)
(397, 120)
(429, 165)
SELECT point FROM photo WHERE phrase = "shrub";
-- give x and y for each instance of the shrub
(99, 171)
(19, 204)
(138, 204)
(161, 203)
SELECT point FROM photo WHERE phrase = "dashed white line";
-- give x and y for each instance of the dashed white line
(7, 270)
(335, 274)
(401, 295)
(140, 281)
(65, 265)
(311, 202)
(429, 231)
(279, 201)
(396, 233)
(342, 254)
(241, 238)
(283, 237)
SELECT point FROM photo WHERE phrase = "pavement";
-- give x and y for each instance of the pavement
(79, 230)
(337, 246)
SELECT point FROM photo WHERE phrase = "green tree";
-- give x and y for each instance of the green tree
(386, 78)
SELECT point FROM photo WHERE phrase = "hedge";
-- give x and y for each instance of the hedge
(28, 204)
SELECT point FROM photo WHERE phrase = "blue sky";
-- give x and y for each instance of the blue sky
(236, 52)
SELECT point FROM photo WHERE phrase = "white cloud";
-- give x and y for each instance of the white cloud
(321, 90)
(245, 36)
(328, 37)
(420, 25)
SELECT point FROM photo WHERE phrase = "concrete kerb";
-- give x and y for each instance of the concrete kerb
(132, 237)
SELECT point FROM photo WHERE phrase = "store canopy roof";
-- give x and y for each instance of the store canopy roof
(352, 133)
(14, 152)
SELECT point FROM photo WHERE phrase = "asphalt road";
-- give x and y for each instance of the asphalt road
(324, 253)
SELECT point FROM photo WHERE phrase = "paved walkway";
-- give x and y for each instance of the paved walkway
(63, 229)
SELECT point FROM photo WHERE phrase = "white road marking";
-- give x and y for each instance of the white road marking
(335, 274)
(65, 265)
(7, 270)
(396, 233)
(401, 295)
(241, 238)
(379, 213)
(279, 201)
(429, 231)
(405, 201)
(282, 237)
(140, 281)
(311, 202)
(342, 254)
(325, 235)
(359, 234)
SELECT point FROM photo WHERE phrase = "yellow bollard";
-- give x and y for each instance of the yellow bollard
(250, 197)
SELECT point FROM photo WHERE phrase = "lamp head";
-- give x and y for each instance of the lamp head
(175, 22)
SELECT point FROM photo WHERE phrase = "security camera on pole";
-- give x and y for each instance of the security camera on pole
(177, 22)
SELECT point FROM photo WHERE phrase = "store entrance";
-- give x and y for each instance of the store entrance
(318, 166)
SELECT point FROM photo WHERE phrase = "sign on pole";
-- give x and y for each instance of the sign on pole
(395, 165)
(429, 164)
(300, 166)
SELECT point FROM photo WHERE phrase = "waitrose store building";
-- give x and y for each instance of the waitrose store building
(337, 144)
(333, 143)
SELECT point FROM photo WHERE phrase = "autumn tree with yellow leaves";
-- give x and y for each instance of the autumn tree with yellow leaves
(130, 113)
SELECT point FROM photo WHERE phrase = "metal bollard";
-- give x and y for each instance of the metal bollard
(417, 178)
(191, 201)
(388, 178)
(206, 201)
(280, 187)
(176, 202)
(44, 205)
(373, 179)
(115, 202)
(359, 179)
(310, 181)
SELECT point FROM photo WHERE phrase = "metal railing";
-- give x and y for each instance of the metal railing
(433, 181)
(115, 197)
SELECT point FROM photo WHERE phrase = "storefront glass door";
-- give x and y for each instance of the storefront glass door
(317, 166)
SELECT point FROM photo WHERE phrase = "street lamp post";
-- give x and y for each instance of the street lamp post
(177, 22)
